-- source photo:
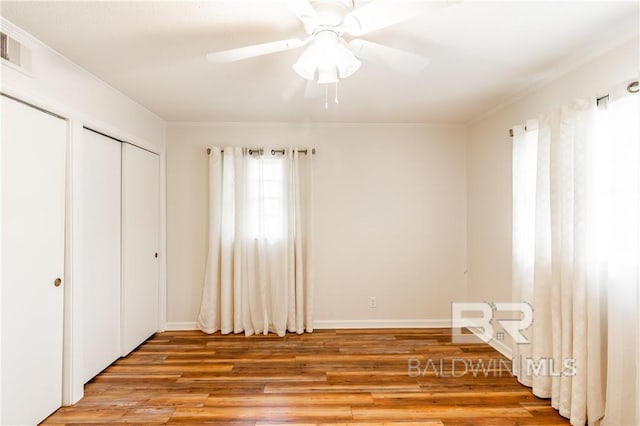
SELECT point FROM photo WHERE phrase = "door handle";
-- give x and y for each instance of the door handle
(57, 282)
(156, 255)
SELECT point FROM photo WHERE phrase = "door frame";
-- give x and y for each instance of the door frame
(72, 370)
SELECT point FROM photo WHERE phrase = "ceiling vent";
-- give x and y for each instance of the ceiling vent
(15, 54)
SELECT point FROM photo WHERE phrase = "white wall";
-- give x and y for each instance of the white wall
(390, 217)
(489, 166)
(66, 88)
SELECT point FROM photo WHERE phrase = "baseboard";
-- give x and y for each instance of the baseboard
(501, 347)
(181, 325)
(337, 324)
(498, 345)
(403, 323)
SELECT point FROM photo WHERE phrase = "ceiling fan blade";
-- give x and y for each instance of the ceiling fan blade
(252, 51)
(399, 60)
(305, 12)
(380, 14)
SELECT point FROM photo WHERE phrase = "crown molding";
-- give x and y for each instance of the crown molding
(318, 124)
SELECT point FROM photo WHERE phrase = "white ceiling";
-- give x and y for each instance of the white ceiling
(482, 54)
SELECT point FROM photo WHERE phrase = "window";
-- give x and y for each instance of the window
(576, 252)
(266, 198)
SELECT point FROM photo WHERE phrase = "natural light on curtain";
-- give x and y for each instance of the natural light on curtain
(259, 276)
(265, 198)
(619, 229)
(576, 258)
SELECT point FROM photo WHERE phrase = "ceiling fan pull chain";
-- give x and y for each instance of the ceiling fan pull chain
(326, 96)
(336, 99)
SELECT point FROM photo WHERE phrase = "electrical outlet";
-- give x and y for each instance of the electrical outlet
(372, 302)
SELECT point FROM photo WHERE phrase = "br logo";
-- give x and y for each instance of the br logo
(481, 321)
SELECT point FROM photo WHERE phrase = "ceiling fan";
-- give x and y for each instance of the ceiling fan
(328, 56)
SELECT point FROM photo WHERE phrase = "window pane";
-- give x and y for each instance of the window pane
(265, 198)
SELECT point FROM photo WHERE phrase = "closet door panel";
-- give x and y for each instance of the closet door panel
(97, 194)
(140, 241)
(33, 214)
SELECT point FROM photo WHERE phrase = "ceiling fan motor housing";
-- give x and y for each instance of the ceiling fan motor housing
(332, 12)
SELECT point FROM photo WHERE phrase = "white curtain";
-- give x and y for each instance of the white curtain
(576, 208)
(621, 196)
(259, 276)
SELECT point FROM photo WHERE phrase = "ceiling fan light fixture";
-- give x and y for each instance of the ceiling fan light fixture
(328, 75)
(350, 68)
(346, 61)
(325, 45)
(305, 66)
(308, 73)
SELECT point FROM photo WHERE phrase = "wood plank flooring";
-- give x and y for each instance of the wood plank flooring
(332, 377)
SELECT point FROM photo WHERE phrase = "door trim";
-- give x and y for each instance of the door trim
(46, 111)
(119, 140)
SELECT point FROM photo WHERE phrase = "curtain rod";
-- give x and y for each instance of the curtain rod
(631, 88)
(273, 151)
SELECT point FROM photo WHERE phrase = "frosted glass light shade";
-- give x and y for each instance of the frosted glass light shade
(347, 63)
(306, 64)
(329, 57)
(328, 75)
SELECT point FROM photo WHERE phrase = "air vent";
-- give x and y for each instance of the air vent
(14, 53)
(4, 46)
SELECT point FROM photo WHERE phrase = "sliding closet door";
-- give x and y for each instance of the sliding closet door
(140, 242)
(97, 248)
(33, 209)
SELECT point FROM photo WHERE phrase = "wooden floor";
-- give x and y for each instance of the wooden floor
(338, 377)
